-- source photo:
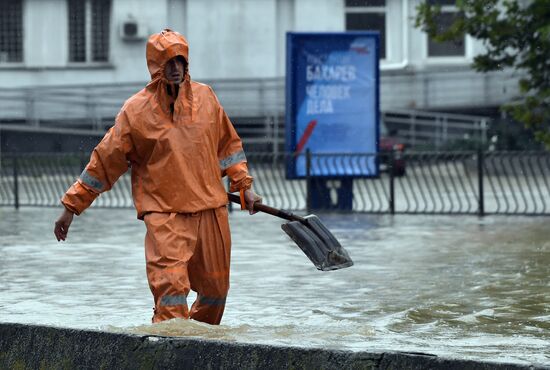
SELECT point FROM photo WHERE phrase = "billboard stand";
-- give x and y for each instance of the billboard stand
(330, 194)
(327, 193)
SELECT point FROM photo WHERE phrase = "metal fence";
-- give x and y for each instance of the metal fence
(80, 105)
(432, 183)
(435, 129)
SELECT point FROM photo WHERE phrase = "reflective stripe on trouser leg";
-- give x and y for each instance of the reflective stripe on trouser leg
(173, 300)
(211, 301)
(209, 266)
(169, 245)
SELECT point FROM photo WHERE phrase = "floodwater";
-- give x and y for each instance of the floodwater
(456, 286)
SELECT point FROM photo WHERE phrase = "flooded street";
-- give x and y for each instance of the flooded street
(457, 286)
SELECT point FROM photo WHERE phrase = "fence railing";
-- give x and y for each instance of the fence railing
(435, 129)
(78, 105)
(414, 183)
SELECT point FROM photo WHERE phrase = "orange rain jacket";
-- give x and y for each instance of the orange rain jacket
(178, 150)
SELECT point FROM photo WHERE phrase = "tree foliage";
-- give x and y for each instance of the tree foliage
(516, 35)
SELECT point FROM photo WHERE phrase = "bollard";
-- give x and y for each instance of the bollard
(392, 182)
(480, 160)
(15, 183)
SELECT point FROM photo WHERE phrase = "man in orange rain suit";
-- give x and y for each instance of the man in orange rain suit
(179, 143)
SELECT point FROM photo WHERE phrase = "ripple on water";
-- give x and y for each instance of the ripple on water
(454, 286)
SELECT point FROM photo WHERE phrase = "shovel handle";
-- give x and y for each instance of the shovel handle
(267, 209)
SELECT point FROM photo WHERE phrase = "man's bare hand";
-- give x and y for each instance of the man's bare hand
(250, 198)
(62, 225)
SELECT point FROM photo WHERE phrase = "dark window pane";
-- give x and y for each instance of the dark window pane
(369, 22)
(355, 3)
(77, 30)
(442, 2)
(101, 17)
(11, 31)
(447, 48)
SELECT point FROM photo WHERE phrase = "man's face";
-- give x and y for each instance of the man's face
(174, 70)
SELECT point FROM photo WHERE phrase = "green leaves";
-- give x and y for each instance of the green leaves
(516, 36)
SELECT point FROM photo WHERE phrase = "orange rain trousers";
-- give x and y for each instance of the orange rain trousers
(188, 251)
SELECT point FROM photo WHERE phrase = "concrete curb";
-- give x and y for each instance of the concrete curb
(42, 347)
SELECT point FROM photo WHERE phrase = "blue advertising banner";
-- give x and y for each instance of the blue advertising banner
(332, 102)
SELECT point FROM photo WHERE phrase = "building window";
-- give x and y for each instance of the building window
(89, 30)
(444, 21)
(367, 15)
(11, 31)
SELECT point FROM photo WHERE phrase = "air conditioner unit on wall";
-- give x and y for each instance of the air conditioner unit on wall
(132, 30)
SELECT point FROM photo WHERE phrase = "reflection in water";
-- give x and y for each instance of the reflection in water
(454, 286)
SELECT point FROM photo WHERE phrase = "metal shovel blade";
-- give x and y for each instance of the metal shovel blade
(318, 243)
(313, 238)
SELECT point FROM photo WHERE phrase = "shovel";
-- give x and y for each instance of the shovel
(313, 238)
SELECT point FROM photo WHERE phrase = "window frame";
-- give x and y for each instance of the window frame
(373, 10)
(21, 63)
(450, 59)
(89, 62)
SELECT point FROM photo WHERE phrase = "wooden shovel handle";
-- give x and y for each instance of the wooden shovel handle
(267, 209)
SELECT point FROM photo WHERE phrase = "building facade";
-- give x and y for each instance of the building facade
(72, 63)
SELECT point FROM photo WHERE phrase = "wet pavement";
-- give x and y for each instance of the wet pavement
(458, 286)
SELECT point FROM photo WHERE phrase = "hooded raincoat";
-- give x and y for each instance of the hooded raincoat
(178, 148)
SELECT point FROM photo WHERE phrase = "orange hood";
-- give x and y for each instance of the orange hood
(163, 46)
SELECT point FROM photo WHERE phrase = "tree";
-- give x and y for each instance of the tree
(516, 34)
